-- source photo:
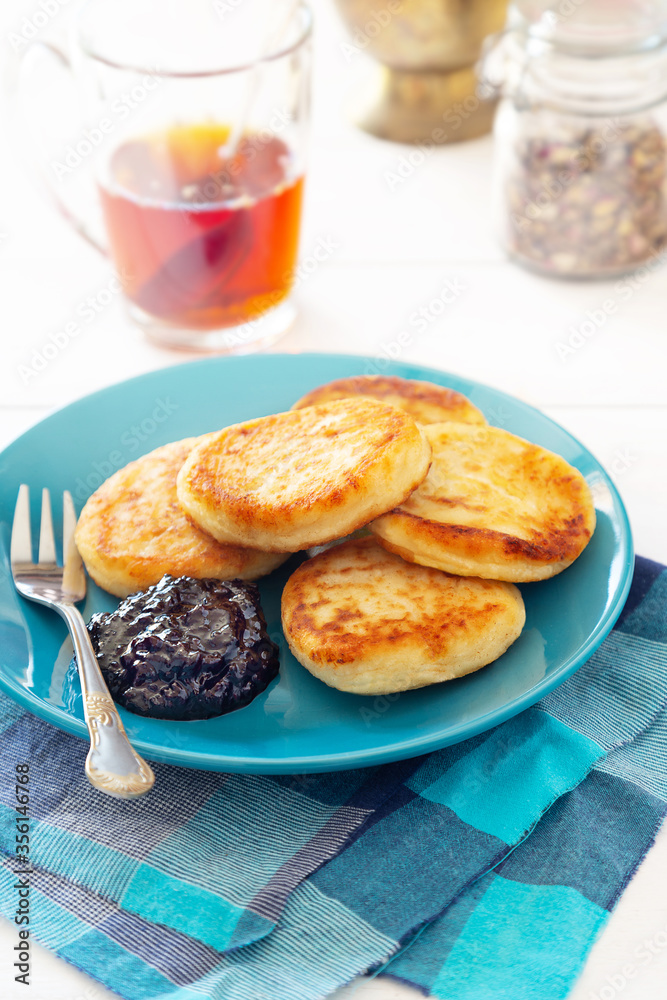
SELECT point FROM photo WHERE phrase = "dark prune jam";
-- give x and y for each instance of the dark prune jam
(185, 648)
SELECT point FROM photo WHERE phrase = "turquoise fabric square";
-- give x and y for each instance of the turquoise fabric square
(504, 784)
(526, 941)
(187, 908)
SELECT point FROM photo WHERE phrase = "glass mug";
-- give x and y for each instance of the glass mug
(194, 125)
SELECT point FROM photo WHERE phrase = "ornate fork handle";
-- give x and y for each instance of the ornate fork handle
(112, 765)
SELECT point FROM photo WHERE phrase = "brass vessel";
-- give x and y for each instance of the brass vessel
(426, 88)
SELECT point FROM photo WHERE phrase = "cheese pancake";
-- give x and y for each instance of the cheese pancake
(426, 402)
(304, 477)
(133, 530)
(363, 620)
(492, 505)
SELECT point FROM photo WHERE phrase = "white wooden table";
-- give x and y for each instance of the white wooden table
(395, 248)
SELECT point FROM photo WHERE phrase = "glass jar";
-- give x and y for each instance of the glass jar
(581, 147)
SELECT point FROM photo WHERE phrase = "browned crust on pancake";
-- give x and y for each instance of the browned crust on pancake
(365, 621)
(484, 475)
(426, 402)
(555, 546)
(205, 479)
(133, 530)
(337, 645)
(329, 467)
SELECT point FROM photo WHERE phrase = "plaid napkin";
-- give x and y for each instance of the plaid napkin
(284, 888)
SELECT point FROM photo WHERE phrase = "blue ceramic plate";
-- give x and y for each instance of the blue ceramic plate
(298, 724)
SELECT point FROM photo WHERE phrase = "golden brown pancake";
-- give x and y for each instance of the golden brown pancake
(132, 530)
(363, 620)
(426, 402)
(304, 477)
(492, 505)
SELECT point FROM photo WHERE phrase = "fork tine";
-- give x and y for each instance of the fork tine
(47, 544)
(74, 577)
(69, 524)
(21, 546)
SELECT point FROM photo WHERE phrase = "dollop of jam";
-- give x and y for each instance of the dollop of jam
(186, 648)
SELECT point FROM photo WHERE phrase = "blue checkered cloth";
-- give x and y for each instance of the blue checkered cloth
(483, 870)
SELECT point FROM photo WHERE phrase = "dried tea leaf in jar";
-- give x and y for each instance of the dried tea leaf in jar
(581, 174)
(590, 204)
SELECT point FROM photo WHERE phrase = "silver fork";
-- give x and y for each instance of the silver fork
(112, 765)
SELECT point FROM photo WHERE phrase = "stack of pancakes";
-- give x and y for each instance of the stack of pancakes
(456, 513)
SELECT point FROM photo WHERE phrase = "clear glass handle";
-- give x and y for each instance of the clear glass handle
(36, 54)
